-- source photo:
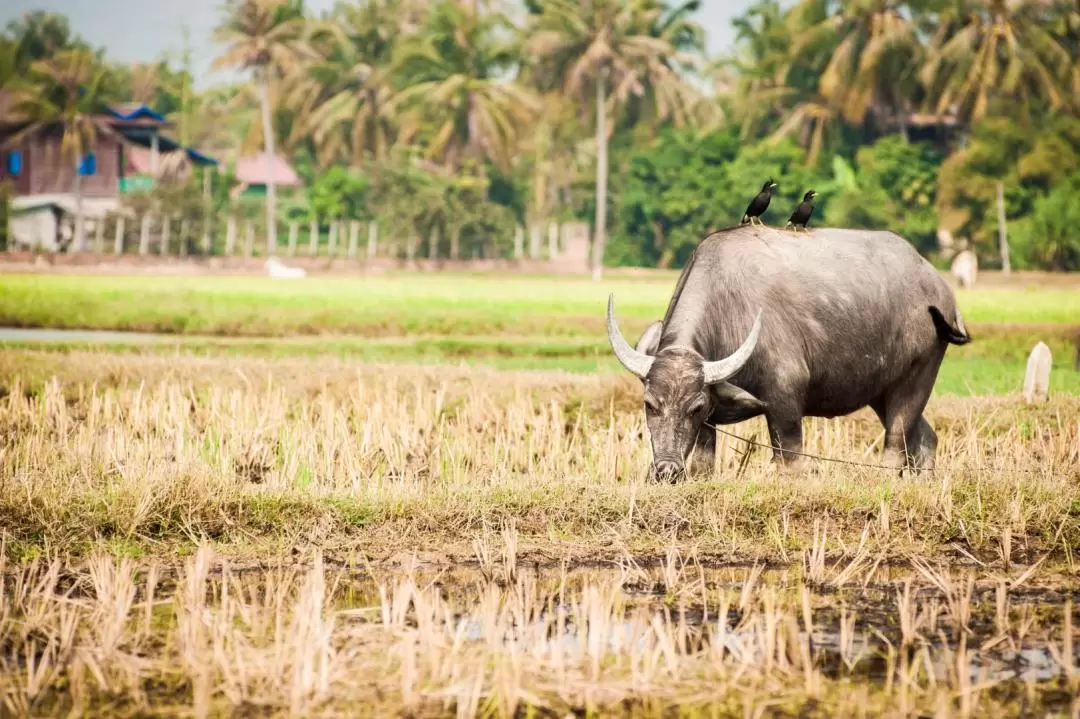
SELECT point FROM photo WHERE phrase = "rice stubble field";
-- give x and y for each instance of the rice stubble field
(192, 530)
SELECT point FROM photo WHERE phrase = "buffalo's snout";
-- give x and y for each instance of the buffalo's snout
(667, 471)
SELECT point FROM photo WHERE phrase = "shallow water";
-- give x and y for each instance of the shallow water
(1016, 635)
(29, 334)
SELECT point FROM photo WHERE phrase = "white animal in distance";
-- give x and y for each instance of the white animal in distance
(279, 271)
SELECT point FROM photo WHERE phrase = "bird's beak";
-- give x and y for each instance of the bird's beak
(772, 186)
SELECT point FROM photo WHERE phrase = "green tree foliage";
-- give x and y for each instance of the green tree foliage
(339, 193)
(674, 193)
(450, 121)
(453, 96)
(1050, 237)
(1027, 164)
(894, 188)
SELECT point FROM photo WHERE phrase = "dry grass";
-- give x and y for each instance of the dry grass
(320, 641)
(151, 455)
(208, 537)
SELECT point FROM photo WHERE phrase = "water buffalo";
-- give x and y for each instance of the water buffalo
(769, 322)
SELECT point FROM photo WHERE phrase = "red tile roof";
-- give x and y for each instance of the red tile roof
(255, 170)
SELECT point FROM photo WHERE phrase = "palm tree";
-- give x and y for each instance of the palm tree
(870, 49)
(264, 36)
(455, 91)
(344, 100)
(987, 49)
(666, 96)
(761, 89)
(608, 47)
(68, 91)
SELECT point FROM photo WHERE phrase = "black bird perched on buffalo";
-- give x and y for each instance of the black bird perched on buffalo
(802, 213)
(759, 204)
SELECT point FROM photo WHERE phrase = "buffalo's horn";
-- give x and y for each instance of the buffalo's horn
(637, 362)
(721, 370)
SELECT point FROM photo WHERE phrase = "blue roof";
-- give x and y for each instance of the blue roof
(198, 158)
(134, 112)
(142, 138)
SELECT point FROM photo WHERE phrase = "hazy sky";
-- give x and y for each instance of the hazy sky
(141, 30)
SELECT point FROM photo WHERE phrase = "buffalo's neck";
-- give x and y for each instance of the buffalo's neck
(687, 326)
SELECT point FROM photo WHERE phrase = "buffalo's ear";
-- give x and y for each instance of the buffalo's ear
(650, 338)
(733, 404)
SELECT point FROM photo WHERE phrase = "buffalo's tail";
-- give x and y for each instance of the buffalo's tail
(954, 335)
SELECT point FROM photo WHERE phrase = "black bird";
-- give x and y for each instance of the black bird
(759, 204)
(802, 213)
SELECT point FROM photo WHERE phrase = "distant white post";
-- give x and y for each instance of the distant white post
(271, 237)
(118, 240)
(1037, 376)
(294, 230)
(354, 238)
(534, 241)
(163, 248)
(332, 249)
(372, 239)
(313, 238)
(249, 239)
(99, 235)
(230, 237)
(144, 235)
(553, 241)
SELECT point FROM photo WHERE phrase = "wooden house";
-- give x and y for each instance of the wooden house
(42, 176)
(35, 165)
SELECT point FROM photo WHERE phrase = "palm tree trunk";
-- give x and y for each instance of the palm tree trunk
(601, 179)
(268, 141)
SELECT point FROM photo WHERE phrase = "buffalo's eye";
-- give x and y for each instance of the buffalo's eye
(697, 407)
(651, 405)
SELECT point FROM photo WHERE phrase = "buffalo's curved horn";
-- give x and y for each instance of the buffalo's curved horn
(721, 370)
(637, 362)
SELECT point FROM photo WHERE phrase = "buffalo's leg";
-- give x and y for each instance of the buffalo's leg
(704, 451)
(785, 433)
(895, 436)
(909, 439)
(922, 445)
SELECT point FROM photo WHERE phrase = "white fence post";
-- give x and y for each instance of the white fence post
(230, 237)
(534, 241)
(163, 248)
(99, 235)
(372, 239)
(332, 250)
(354, 238)
(144, 234)
(118, 240)
(271, 237)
